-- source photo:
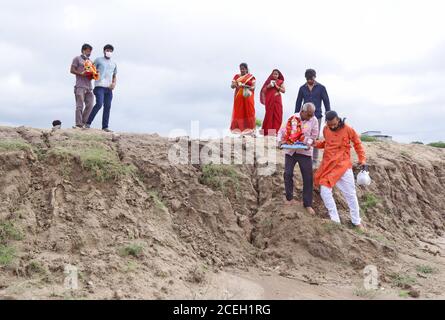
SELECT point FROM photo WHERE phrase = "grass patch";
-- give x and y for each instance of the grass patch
(13, 145)
(404, 294)
(403, 280)
(331, 227)
(104, 164)
(366, 138)
(35, 268)
(369, 201)
(219, 177)
(8, 231)
(134, 250)
(154, 195)
(88, 137)
(439, 144)
(258, 123)
(130, 267)
(382, 239)
(364, 293)
(425, 269)
(7, 255)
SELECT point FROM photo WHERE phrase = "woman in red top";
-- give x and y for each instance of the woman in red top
(243, 116)
(271, 98)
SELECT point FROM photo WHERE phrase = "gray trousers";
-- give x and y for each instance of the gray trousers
(84, 105)
(315, 149)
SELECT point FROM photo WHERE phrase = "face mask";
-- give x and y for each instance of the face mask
(108, 54)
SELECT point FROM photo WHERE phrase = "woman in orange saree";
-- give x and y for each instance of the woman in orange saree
(243, 116)
(271, 97)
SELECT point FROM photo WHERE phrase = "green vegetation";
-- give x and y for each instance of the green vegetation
(88, 137)
(130, 267)
(134, 250)
(331, 226)
(154, 195)
(13, 145)
(403, 280)
(364, 293)
(439, 144)
(417, 142)
(424, 269)
(103, 163)
(219, 177)
(258, 123)
(35, 267)
(404, 294)
(382, 239)
(366, 138)
(7, 255)
(369, 201)
(8, 231)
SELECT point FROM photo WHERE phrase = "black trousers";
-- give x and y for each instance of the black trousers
(305, 164)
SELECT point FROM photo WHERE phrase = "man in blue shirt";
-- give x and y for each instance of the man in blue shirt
(103, 88)
(314, 92)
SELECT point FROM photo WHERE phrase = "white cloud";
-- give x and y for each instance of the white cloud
(380, 60)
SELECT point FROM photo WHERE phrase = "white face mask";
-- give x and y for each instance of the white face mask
(108, 54)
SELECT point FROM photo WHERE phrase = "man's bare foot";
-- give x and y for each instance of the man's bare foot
(310, 211)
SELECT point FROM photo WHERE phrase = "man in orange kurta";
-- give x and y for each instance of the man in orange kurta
(336, 166)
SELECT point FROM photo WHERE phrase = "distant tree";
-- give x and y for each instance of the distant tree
(417, 142)
(439, 144)
(258, 123)
(366, 138)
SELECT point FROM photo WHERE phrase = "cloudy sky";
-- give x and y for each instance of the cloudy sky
(381, 61)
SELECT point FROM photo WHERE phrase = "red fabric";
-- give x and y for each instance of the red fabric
(294, 130)
(272, 100)
(243, 116)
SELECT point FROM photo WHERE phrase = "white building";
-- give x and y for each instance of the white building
(377, 135)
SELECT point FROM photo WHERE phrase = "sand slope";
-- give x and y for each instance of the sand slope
(136, 226)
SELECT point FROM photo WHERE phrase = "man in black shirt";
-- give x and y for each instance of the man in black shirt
(314, 92)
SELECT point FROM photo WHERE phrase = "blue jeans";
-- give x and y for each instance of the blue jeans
(104, 96)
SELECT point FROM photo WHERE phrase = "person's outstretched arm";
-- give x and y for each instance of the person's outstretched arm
(299, 101)
(358, 146)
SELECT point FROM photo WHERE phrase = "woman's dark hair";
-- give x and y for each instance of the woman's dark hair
(109, 47)
(244, 65)
(86, 46)
(310, 74)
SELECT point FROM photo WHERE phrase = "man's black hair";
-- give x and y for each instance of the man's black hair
(86, 46)
(331, 115)
(57, 123)
(310, 74)
(109, 47)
